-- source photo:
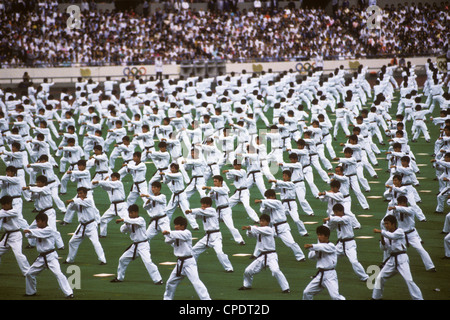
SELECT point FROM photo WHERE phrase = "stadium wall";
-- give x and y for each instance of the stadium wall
(70, 74)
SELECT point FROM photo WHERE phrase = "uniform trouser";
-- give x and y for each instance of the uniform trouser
(419, 127)
(300, 191)
(375, 130)
(265, 260)
(446, 227)
(59, 203)
(211, 170)
(138, 249)
(370, 153)
(51, 261)
(136, 191)
(322, 173)
(343, 124)
(442, 197)
(347, 203)
(283, 231)
(13, 241)
(115, 211)
(321, 151)
(328, 144)
(348, 249)
(394, 265)
(256, 178)
(186, 268)
(157, 225)
(275, 155)
(181, 201)
(323, 279)
(195, 184)
(292, 209)
(360, 173)
(414, 240)
(309, 177)
(225, 214)
(354, 185)
(90, 231)
(243, 196)
(212, 240)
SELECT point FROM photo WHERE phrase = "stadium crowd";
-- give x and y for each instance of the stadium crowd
(39, 36)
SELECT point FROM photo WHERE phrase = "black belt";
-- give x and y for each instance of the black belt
(101, 172)
(44, 255)
(265, 253)
(180, 266)
(160, 170)
(15, 197)
(84, 226)
(7, 233)
(393, 255)
(240, 189)
(156, 219)
(194, 178)
(277, 224)
(406, 236)
(322, 271)
(208, 233)
(137, 185)
(253, 173)
(177, 194)
(219, 209)
(288, 202)
(115, 203)
(297, 181)
(343, 243)
(46, 209)
(135, 244)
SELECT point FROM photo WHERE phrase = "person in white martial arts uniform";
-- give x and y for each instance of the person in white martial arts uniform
(48, 257)
(241, 194)
(219, 192)
(349, 164)
(267, 255)
(346, 244)
(338, 175)
(43, 202)
(174, 180)
(138, 170)
(156, 209)
(446, 230)
(287, 195)
(303, 153)
(181, 241)
(135, 225)
(278, 220)
(297, 177)
(88, 217)
(12, 185)
(252, 161)
(394, 244)
(405, 216)
(324, 252)
(44, 167)
(197, 165)
(213, 236)
(12, 237)
(118, 208)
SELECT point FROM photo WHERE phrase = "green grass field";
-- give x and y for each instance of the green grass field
(224, 286)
